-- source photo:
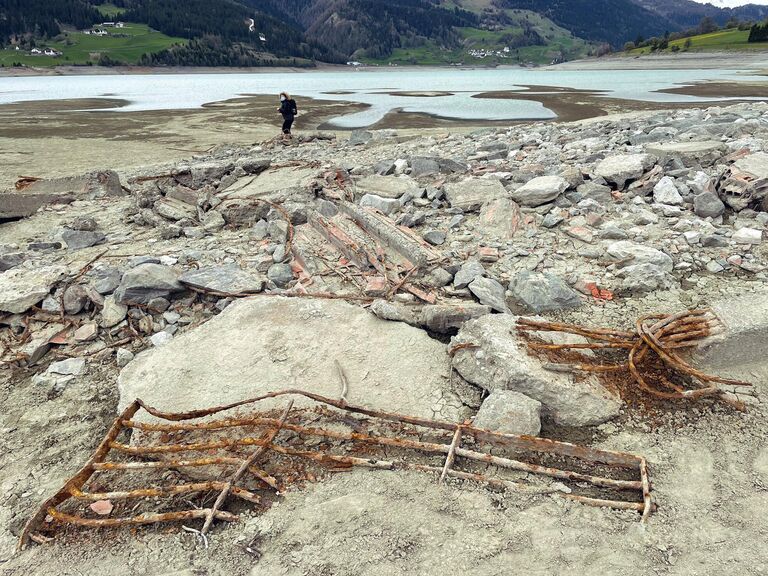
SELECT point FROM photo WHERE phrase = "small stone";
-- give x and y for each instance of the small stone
(714, 267)
(708, 205)
(213, 221)
(74, 300)
(112, 313)
(488, 254)
(87, 332)
(385, 205)
(68, 367)
(78, 240)
(490, 293)
(467, 273)
(124, 357)
(665, 192)
(376, 286)
(160, 339)
(539, 293)
(509, 412)
(259, 231)
(748, 236)
(280, 274)
(435, 237)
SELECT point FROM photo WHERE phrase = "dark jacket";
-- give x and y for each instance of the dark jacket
(288, 108)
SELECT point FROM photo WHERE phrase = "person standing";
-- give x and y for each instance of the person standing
(289, 111)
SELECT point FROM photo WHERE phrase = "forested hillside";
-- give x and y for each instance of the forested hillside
(43, 17)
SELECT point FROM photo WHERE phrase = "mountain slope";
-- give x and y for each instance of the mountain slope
(687, 13)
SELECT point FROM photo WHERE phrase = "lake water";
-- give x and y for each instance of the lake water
(370, 86)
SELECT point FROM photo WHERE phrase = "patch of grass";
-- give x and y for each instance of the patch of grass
(714, 41)
(125, 45)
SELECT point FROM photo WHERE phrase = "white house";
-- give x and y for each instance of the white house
(36, 51)
(51, 52)
(120, 25)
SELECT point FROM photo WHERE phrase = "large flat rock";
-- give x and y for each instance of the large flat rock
(499, 360)
(386, 186)
(472, 193)
(274, 185)
(706, 152)
(264, 344)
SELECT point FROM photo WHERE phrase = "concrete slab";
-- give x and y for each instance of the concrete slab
(263, 344)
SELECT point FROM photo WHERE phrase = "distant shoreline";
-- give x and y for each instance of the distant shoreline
(757, 61)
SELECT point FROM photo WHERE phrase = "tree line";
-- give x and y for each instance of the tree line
(759, 32)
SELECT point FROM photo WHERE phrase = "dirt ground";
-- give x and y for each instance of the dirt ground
(708, 464)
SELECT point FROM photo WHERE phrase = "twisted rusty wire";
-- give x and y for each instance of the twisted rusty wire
(660, 339)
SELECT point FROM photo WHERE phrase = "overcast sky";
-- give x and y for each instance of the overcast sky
(731, 3)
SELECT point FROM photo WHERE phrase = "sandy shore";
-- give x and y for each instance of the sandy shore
(757, 60)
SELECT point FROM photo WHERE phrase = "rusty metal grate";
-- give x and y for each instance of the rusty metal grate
(656, 342)
(352, 436)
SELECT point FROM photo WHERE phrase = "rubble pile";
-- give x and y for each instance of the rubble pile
(407, 260)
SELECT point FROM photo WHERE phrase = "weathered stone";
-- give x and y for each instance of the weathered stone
(243, 212)
(597, 192)
(435, 237)
(540, 190)
(112, 313)
(444, 318)
(708, 205)
(490, 293)
(391, 187)
(84, 224)
(394, 312)
(8, 261)
(537, 292)
(748, 236)
(424, 166)
(254, 165)
(74, 299)
(40, 343)
(390, 365)
(665, 192)
(204, 173)
(509, 412)
(68, 367)
(22, 289)
(280, 274)
(691, 153)
(78, 240)
(87, 332)
(124, 357)
(739, 351)
(174, 209)
(626, 253)
(13, 205)
(161, 339)
(385, 205)
(472, 193)
(500, 218)
(227, 279)
(620, 169)
(213, 221)
(86, 187)
(501, 362)
(147, 281)
(470, 270)
(359, 137)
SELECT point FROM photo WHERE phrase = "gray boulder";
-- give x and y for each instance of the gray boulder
(228, 279)
(21, 289)
(424, 167)
(665, 192)
(392, 187)
(490, 293)
(538, 292)
(509, 412)
(385, 205)
(501, 361)
(443, 318)
(500, 218)
(147, 281)
(470, 270)
(280, 274)
(708, 205)
(80, 239)
(472, 193)
(541, 190)
(621, 168)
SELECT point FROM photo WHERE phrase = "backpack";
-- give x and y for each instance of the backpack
(294, 109)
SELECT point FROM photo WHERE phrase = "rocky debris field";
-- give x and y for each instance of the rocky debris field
(406, 261)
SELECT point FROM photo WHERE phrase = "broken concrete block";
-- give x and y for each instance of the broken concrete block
(22, 205)
(86, 187)
(68, 367)
(227, 279)
(690, 153)
(540, 190)
(175, 210)
(444, 318)
(740, 350)
(472, 193)
(385, 205)
(273, 343)
(20, 289)
(489, 292)
(500, 218)
(79, 239)
(501, 361)
(147, 281)
(538, 292)
(387, 186)
(621, 168)
(509, 412)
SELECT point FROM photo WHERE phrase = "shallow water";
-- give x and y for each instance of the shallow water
(370, 86)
